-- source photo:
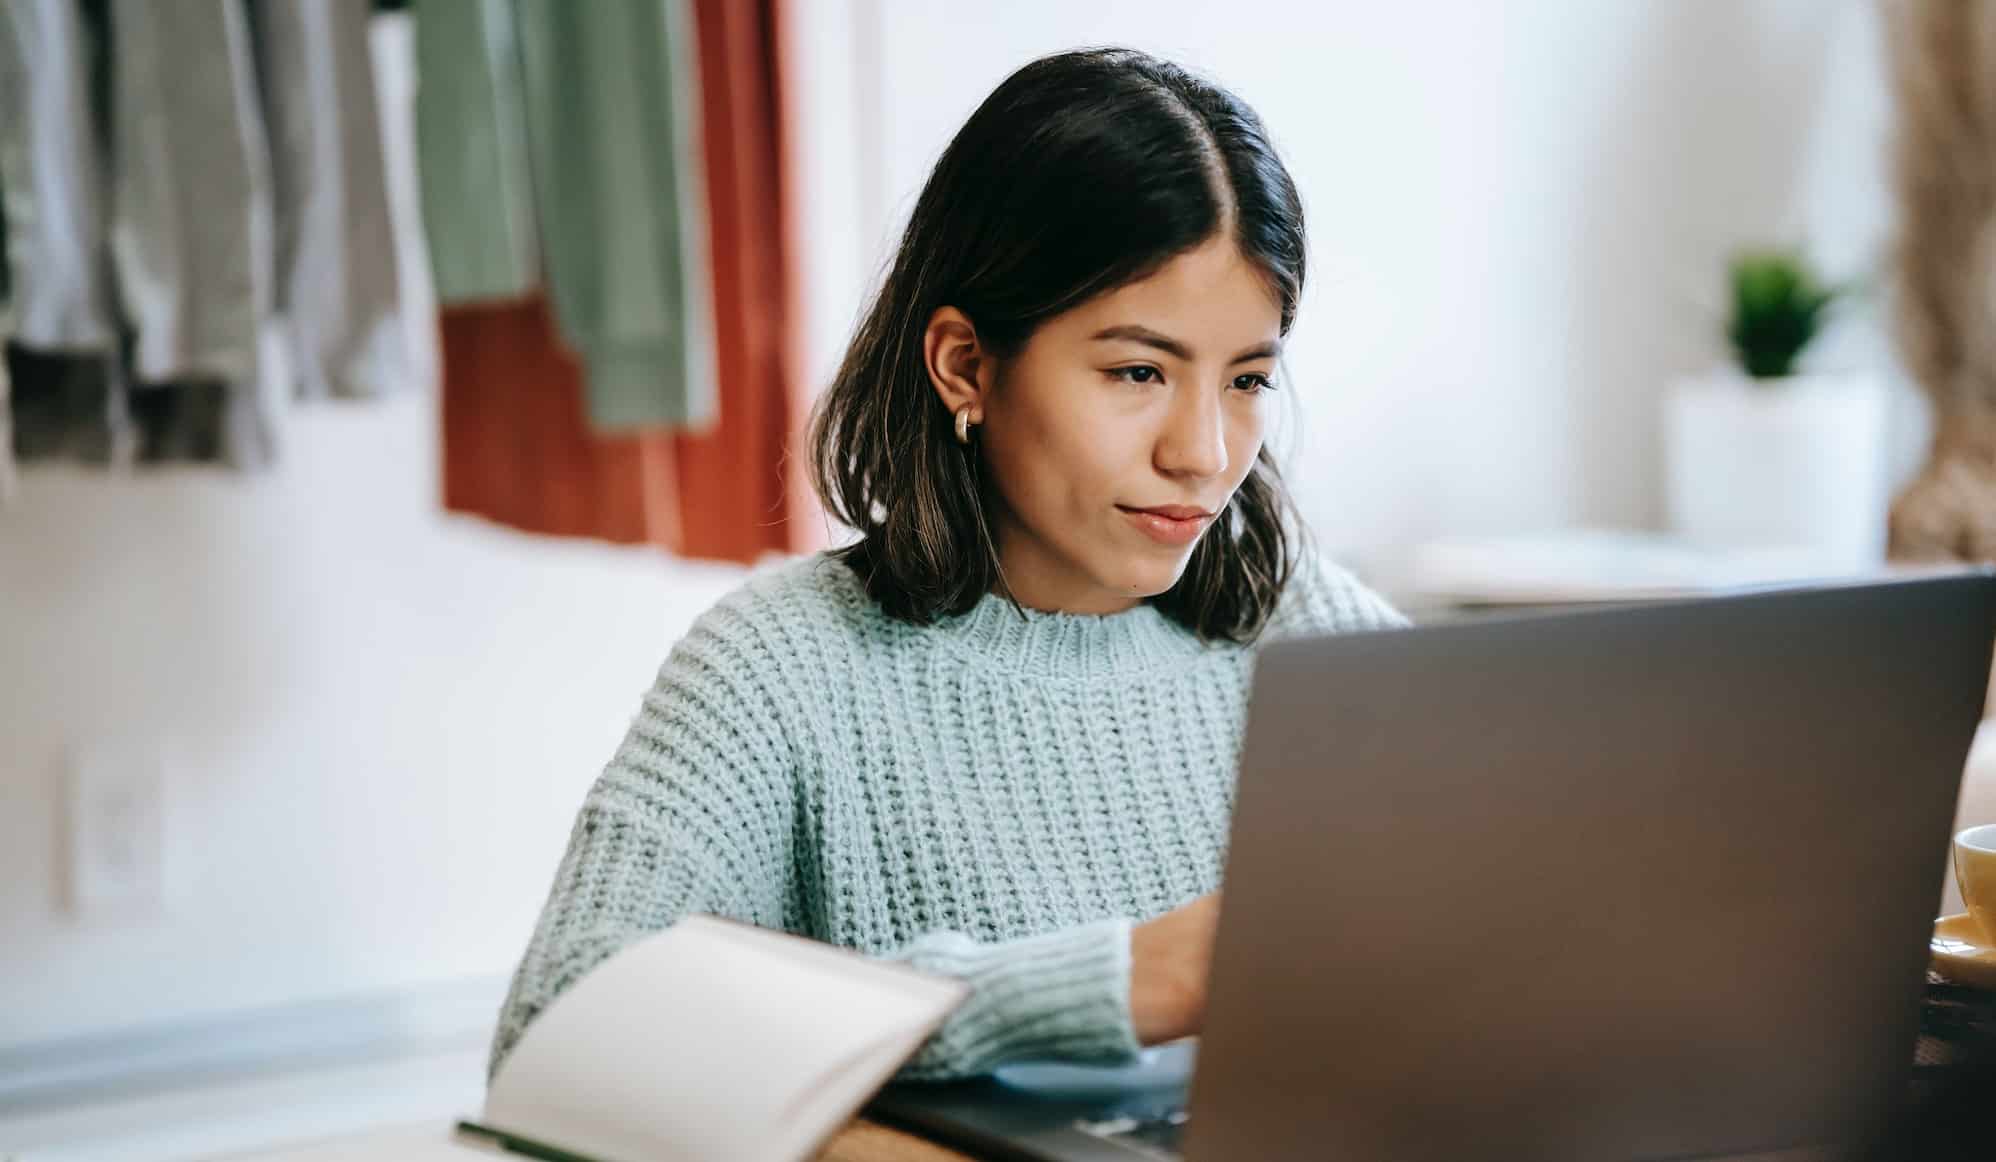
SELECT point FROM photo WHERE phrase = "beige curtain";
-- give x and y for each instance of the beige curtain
(1944, 74)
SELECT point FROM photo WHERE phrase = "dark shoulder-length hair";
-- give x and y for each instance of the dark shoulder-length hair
(1084, 171)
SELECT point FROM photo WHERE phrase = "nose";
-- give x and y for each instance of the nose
(1193, 442)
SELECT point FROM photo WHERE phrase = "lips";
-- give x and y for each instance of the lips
(1169, 524)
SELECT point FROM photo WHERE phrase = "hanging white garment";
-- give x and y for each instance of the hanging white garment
(190, 181)
(336, 287)
(51, 167)
(60, 295)
(190, 225)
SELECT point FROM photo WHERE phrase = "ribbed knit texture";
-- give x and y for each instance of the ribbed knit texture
(992, 797)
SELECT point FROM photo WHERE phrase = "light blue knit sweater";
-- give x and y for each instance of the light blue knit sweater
(992, 797)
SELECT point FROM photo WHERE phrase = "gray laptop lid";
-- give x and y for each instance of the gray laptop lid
(1638, 883)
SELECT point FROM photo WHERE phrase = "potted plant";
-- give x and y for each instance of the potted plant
(1762, 455)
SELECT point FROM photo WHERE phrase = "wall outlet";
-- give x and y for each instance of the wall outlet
(115, 827)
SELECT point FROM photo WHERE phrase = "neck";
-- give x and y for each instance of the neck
(1039, 581)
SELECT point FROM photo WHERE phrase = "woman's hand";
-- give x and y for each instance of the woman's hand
(1169, 959)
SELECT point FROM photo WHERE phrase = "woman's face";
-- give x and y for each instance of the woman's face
(1121, 429)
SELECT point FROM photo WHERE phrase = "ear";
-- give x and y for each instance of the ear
(960, 369)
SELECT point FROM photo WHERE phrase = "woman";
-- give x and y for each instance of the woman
(995, 737)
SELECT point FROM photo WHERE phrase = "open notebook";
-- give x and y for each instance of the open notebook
(711, 1039)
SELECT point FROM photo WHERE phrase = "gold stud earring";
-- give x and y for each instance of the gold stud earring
(963, 424)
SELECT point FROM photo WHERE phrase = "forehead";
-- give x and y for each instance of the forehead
(1210, 297)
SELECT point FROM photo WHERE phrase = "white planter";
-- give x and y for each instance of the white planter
(1795, 463)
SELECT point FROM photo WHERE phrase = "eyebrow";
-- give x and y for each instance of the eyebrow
(1136, 333)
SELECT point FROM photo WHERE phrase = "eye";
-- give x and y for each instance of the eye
(1253, 383)
(1139, 373)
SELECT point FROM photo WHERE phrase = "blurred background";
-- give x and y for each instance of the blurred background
(392, 385)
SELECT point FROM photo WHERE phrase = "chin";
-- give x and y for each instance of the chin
(1149, 578)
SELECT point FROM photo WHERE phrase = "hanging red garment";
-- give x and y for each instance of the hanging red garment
(517, 448)
(735, 500)
(517, 445)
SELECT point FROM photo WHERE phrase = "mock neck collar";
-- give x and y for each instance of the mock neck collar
(1069, 645)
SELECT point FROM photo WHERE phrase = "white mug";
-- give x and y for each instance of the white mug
(1975, 874)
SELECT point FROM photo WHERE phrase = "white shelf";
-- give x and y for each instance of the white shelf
(1607, 565)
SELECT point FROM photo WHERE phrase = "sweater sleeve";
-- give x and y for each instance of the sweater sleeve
(692, 814)
(1060, 995)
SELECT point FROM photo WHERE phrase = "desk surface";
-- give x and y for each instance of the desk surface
(865, 1141)
(862, 1141)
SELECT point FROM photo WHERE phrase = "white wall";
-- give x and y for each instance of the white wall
(378, 720)
(1519, 214)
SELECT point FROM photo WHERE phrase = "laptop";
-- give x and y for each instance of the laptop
(1640, 882)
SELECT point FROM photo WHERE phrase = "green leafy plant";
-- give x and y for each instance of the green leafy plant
(1778, 307)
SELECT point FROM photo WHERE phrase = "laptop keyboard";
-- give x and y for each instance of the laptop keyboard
(1150, 1133)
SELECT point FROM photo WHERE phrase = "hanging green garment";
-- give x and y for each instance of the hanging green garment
(573, 125)
(611, 94)
(478, 197)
